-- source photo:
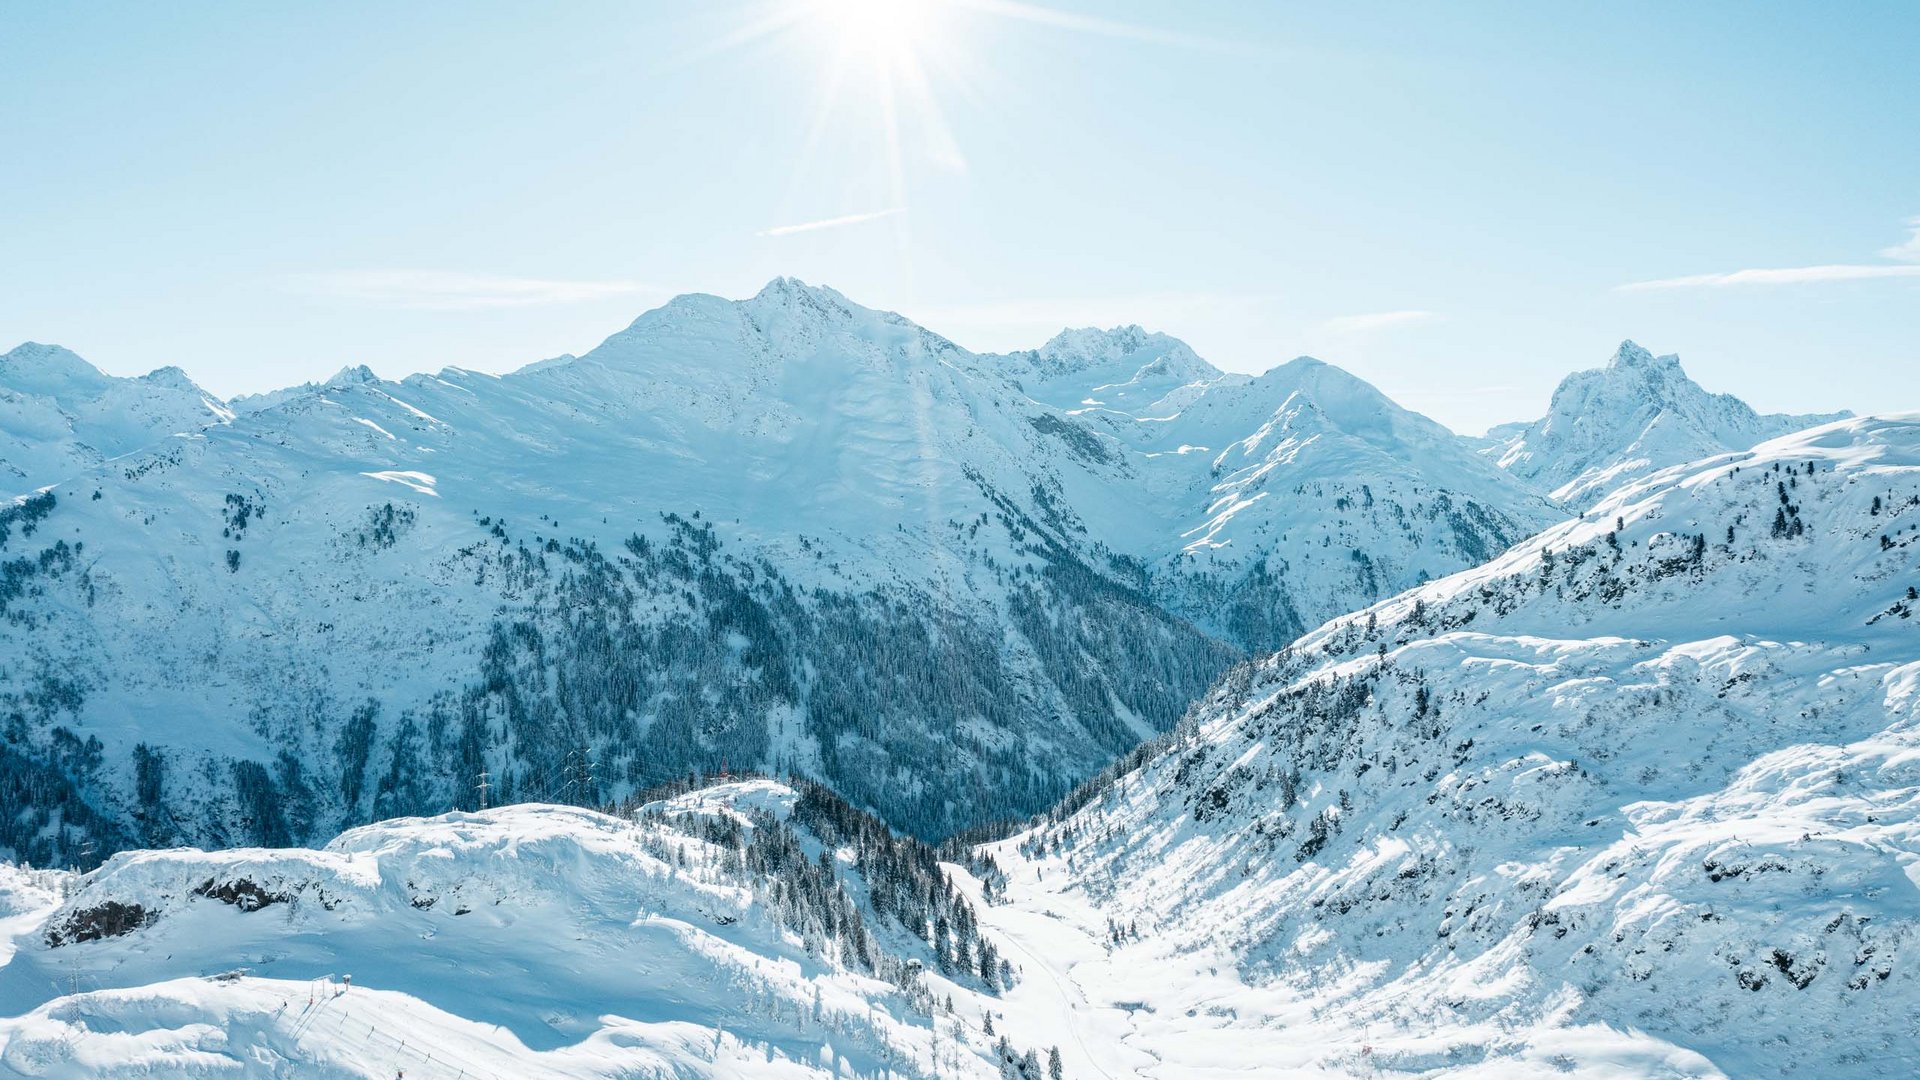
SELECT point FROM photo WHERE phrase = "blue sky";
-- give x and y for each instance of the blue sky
(1460, 203)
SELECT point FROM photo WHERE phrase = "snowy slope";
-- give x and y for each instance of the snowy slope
(1639, 414)
(59, 415)
(1636, 798)
(786, 531)
(536, 940)
(1126, 370)
(1633, 799)
(779, 531)
(1309, 493)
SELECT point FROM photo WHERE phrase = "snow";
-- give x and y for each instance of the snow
(60, 416)
(417, 481)
(1635, 793)
(1652, 814)
(533, 940)
(844, 449)
(1619, 423)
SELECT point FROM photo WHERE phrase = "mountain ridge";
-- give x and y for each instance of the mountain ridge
(60, 415)
(1639, 413)
(669, 552)
(1617, 799)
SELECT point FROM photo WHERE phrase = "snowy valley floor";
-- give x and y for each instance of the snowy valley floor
(1133, 1008)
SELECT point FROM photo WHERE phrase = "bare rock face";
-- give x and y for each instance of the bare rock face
(109, 919)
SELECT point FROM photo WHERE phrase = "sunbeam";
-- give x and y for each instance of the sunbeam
(891, 62)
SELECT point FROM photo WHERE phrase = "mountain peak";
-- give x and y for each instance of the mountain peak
(172, 378)
(353, 375)
(790, 294)
(789, 288)
(1094, 341)
(1354, 406)
(1123, 369)
(33, 360)
(32, 351)
(1631, 354)
(1303, 365)
(1121, 354)
(1637, 363)
(1639, 413)
(1089, 345)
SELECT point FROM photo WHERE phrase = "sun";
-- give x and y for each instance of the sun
(884, 32)
(883, 69)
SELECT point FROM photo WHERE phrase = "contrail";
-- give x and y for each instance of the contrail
(832, 223)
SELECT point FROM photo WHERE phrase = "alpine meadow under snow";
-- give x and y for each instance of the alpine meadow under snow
(1103, 714)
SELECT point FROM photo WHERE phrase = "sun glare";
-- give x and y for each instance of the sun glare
(889, 64)
(886, 32)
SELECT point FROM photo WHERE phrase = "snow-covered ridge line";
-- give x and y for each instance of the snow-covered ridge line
(1636, 798)
(735, 929)
(785, 533)
(1699, 514)
(1638, 414)
(60, 416)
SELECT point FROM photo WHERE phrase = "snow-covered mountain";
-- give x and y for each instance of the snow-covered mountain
(1639, 414)
(786, 532)
(59, 415)
(1126, 370)
(1636, 798)
(1307, 487)
(746, 929)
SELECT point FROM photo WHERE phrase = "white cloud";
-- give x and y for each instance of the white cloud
(1909, 251)
(1787, 275)
(450, 290)
(1378, 320)
(1908, 266)
(832, 223)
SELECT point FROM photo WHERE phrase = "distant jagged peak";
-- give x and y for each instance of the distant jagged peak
(1632, 354)
(353, 375)
(1638, 376)
(1082, 348)
(791, 292)
(1128, 371)
(1094, 342)
(1638, 413)
(1633, 366)
(1308, 418)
